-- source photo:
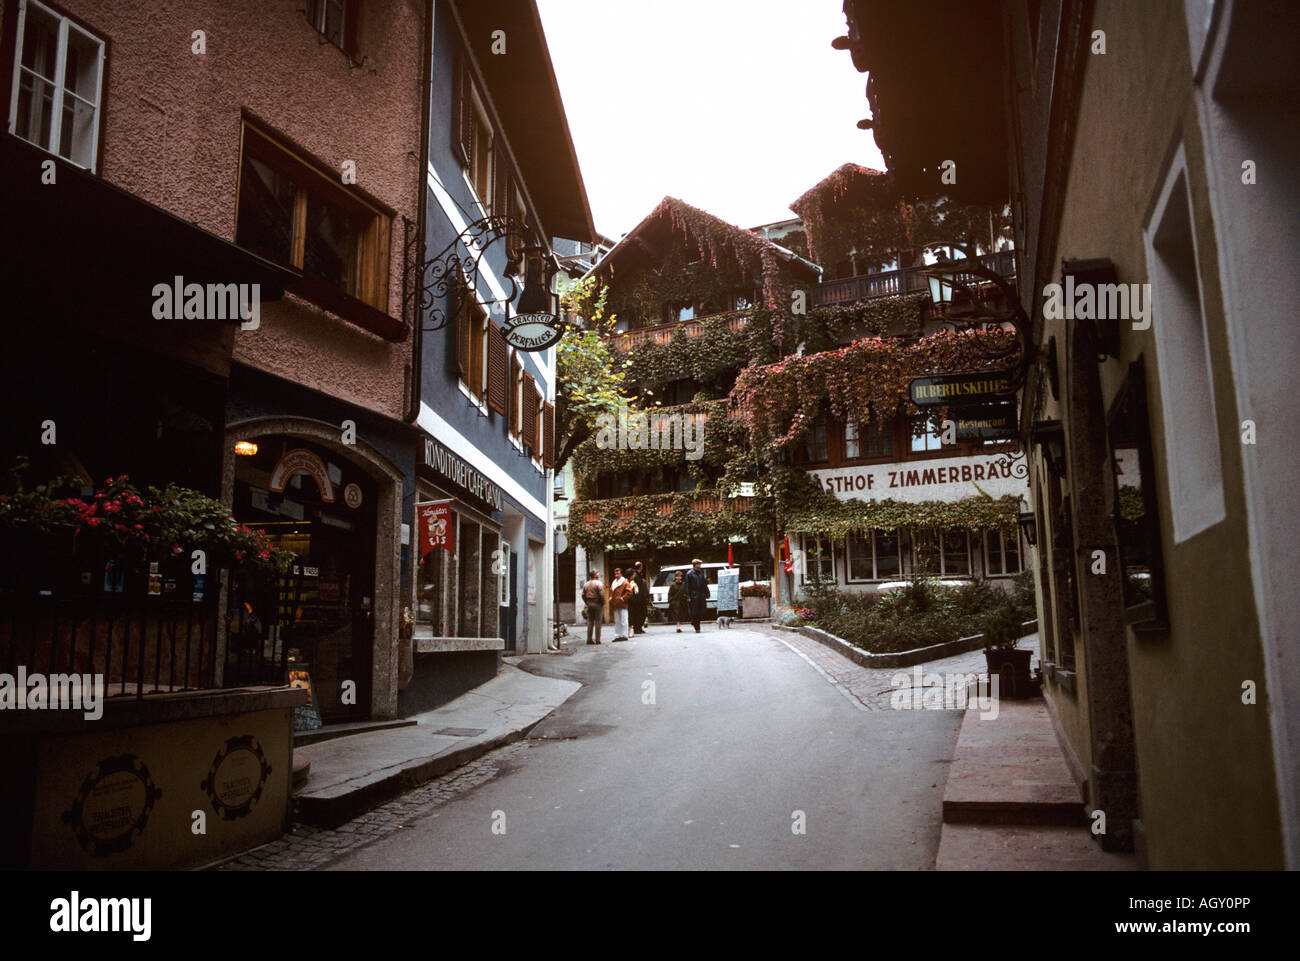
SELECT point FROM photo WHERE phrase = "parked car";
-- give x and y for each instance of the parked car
(659, 589)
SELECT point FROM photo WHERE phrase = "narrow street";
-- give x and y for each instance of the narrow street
(743, 733)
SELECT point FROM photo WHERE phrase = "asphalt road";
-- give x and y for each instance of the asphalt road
(742, 734)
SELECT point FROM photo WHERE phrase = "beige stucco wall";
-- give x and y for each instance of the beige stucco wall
(1207, 786)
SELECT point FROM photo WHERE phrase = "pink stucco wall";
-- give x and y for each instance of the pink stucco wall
(171, 134)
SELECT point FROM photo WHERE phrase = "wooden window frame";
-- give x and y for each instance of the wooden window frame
(314, 11)
(372, 261)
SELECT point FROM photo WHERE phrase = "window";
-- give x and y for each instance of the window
(874, 557)
(514, 416)
(477, 330)
(335, 20)
(815, 450)
(874, 442)
(293, 214)
(480, 162)
(944, 553)
(1001, 553)
(57, 82)
(818, 559)
(930, 436)
(473, 133)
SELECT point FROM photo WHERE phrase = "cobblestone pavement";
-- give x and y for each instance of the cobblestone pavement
(307, 847)
(871, 687)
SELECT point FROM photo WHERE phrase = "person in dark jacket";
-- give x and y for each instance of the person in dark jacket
(640, 605)
(677, 601)
(593, 599)
(697, 592)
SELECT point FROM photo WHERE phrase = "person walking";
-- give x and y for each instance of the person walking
(697, 592)
(593, 599)
(621, 592)
(640, 605)
(677, 601)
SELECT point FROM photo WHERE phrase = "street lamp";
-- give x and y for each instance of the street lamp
(538, 271)
(1028, 527)
(1051, 437)
(941, 288)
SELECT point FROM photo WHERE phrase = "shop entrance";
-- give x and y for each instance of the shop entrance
(317, 504)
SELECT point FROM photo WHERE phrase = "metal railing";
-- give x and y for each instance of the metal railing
(898, 283)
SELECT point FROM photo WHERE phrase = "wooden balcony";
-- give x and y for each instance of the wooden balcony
(663, 333)
(625, 508)
(897, 283)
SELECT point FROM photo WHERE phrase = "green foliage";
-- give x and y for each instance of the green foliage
(137, 526)
(660, 520)
(709, 358)
(724, 438)
(589, 375)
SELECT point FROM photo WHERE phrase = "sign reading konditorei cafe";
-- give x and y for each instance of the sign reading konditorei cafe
(445, 464)
(940, 479)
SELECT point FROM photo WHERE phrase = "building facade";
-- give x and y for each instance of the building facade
(1134, 141)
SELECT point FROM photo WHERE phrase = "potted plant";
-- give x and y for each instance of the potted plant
(754, 600)
(1009, 663)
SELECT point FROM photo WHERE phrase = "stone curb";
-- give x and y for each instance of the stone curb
(917, 655)
(351, 802)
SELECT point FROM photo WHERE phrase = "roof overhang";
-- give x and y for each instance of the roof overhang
(936, 92)
(527, 98)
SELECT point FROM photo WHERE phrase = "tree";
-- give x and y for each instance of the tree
(589, 373)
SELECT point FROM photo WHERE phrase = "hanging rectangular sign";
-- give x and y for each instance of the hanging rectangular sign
(937, 390)
(985, 422)
(436, 526)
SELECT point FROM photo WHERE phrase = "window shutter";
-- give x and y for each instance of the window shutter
(530, 414)
(516, 374)
(548, 435)
(500, 181)
(462, 134)
(515, 241)
(462, 340)
(498, 369)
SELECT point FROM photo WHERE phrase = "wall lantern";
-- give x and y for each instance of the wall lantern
(941, 288)
(245, 448)
(1094, 278)
(1049, 435)
(1028, 527)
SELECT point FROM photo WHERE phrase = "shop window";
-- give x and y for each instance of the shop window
(874, 557)
(818, 560)
(293, 214)
(58, 81)
(1001, 553)
(431, 596)
(944, 553)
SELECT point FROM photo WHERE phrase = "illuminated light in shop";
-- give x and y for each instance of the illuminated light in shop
(245, 448)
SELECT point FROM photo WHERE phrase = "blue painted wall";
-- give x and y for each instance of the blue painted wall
(438, 377)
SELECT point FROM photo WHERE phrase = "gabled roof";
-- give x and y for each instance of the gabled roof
(840, 179)
(704, 226)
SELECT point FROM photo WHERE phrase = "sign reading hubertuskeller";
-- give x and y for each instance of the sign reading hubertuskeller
(937, 390)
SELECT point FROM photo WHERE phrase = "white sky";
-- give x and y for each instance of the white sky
(735, 106)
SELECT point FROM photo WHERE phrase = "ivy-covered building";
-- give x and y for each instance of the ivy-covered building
(770, 396)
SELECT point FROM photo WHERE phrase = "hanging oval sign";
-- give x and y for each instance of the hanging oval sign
(533, 332)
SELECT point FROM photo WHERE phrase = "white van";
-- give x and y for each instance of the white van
(659, 589)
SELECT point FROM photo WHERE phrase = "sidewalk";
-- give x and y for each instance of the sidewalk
(351, 775)
(1009, 802)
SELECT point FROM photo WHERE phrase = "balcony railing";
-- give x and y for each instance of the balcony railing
(663, 333)
(896, 283)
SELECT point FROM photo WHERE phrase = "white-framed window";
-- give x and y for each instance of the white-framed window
(931, 437)
(818, 559)
(57, 85)
(941, 552)
(1177, 320)
(1001, 553)
(876, 556)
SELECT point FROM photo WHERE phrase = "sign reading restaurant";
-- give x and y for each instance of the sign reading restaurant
(940, 479)
(940, 389)
(446, 464)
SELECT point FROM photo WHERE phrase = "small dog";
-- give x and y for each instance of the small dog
(724, 621)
